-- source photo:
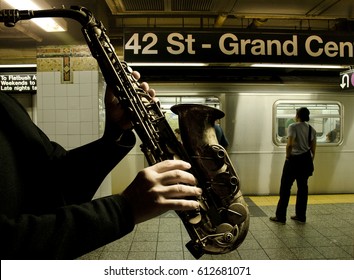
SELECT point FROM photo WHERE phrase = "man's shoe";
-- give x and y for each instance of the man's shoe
(296, 218)
(276, 220)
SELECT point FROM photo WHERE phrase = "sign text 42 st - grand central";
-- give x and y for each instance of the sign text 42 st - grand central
(238, 47)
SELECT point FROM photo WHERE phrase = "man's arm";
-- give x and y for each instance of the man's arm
(68, 232)
(289, 146)
(313, 147)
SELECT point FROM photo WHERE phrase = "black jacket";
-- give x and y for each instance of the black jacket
(46, 211)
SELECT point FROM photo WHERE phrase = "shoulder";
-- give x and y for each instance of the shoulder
(292, 127)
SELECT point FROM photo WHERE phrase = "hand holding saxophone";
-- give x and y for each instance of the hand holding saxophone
(117, 119)
(162, 187)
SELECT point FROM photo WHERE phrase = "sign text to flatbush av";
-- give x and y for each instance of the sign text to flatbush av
(238, 47)
(21, 83)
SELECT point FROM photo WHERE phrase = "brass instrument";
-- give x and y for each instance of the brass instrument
(222, 222)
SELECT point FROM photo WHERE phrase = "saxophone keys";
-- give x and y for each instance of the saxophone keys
(195, 219)
(212, 158)
(237, 213)
(227, 233)
(224, 184)
(202, 205)
(196, 216)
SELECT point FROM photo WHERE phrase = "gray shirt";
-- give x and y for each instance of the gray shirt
(300, 133)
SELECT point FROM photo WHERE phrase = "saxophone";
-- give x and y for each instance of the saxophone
(221, 224)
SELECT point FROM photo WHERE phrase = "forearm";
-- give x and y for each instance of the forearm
(67, 233)
(313, 149)
(82, 170)
(288, 151)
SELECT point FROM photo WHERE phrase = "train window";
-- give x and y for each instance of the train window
(325, 117)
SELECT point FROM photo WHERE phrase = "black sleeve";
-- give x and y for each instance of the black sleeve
(79, 172)
(68, 233)
(46, 210)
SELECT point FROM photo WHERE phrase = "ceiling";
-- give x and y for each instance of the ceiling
(233, 13)
(118, 15)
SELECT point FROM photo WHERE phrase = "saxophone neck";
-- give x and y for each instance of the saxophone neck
(11, 16)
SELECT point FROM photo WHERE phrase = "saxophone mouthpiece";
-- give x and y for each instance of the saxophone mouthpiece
(11, 16)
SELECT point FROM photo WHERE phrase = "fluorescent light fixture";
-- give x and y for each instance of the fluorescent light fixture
(47, 24)
(166, 64)
(311, 66)
(18, 65)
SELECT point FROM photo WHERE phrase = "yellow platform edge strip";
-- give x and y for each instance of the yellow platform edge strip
(269, 200)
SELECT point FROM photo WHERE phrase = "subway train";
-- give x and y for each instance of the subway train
(255, 123)
(256, 117)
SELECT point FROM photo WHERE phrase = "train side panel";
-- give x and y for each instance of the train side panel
(248, 124)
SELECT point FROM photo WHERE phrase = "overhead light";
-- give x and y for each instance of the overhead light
(18, 65)
(166, 64)
(47, 24)
(304, 66)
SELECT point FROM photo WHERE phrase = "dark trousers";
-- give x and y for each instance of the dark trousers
(293, 170)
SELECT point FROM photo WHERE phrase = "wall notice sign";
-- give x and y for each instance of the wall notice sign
(18, 83)
(347, 79)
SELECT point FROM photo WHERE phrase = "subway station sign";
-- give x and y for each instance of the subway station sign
(18, 83)
(239, 47)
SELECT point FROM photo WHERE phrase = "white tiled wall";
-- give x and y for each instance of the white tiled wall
(69, 113)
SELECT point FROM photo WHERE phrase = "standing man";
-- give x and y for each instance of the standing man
(300, 153)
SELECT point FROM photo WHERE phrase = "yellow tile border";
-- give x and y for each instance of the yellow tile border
(269, 200)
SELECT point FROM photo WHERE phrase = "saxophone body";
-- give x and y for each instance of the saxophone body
(221, 224)
(223, 221)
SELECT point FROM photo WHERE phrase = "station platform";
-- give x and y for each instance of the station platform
(328, 234)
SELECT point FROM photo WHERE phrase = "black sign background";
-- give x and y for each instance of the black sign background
(239, 46)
